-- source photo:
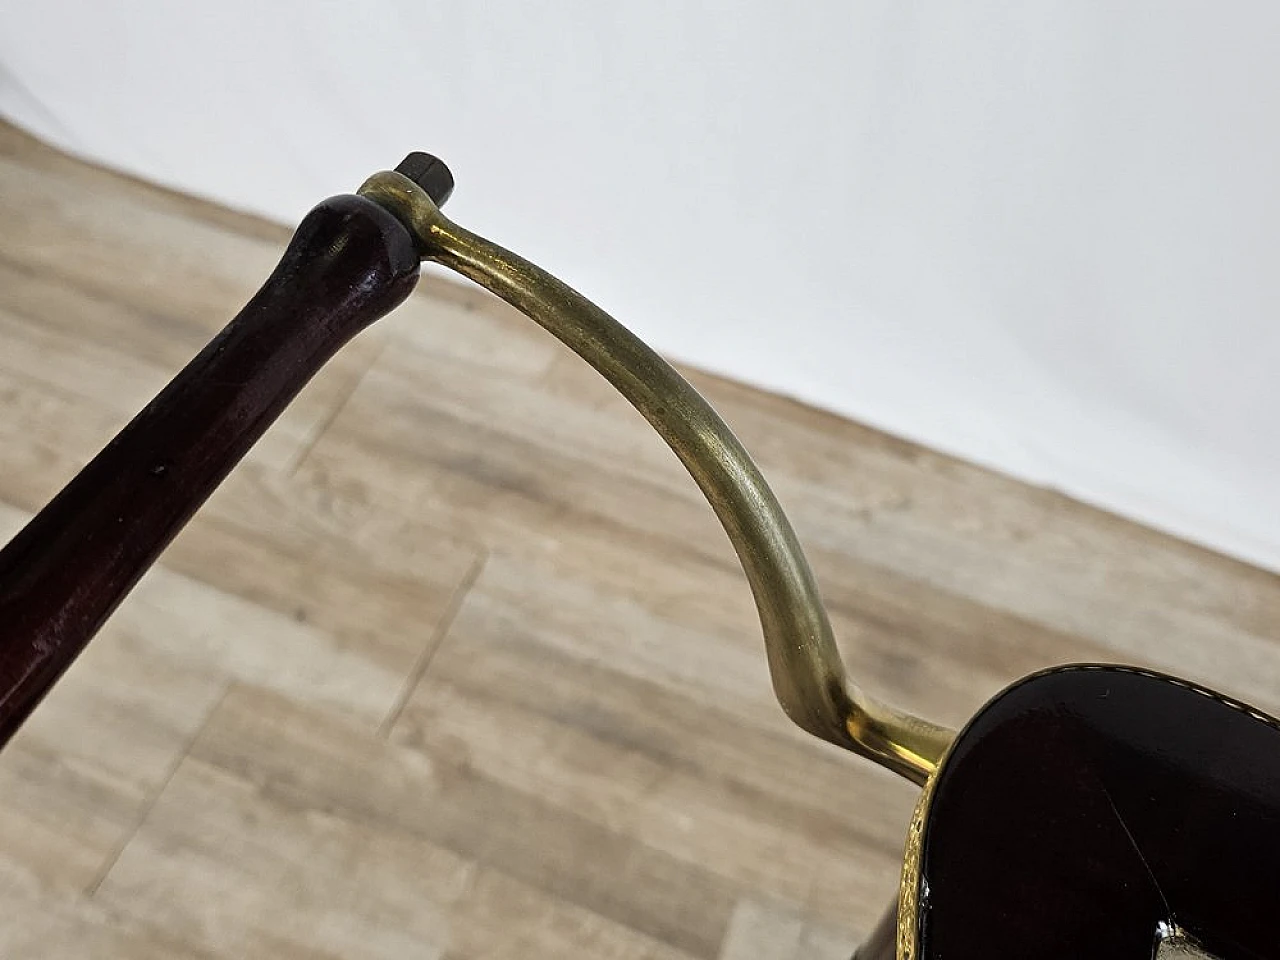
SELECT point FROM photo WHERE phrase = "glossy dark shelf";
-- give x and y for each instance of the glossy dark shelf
(1085, 805)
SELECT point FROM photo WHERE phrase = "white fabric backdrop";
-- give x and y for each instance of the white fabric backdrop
(1038, 235)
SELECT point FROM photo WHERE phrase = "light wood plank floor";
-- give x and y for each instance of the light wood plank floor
(457, 664)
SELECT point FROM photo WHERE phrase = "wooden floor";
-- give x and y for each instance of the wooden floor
(457, 664)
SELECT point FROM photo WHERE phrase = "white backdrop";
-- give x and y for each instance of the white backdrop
(1039, 235)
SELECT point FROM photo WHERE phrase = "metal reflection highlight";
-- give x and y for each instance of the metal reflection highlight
(808, 675)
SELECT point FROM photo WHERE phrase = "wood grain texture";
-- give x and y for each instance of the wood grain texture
(457, 663)
(349, 264)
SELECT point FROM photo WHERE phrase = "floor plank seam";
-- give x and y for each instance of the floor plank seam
(433, 645)
(311, 441)
(151, 801)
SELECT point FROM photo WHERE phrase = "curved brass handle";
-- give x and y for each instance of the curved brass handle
(808, 675)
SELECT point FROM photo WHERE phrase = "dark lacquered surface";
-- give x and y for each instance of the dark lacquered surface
(349, 263)
(1084, 806)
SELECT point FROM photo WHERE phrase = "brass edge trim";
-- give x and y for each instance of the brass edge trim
(910, 898)
(808, 675)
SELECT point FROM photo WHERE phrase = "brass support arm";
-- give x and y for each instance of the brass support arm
(808, 675)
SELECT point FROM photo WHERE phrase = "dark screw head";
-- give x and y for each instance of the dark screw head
(430, 174)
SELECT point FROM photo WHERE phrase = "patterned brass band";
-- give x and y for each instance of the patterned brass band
(909, 891)
(808, 675)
